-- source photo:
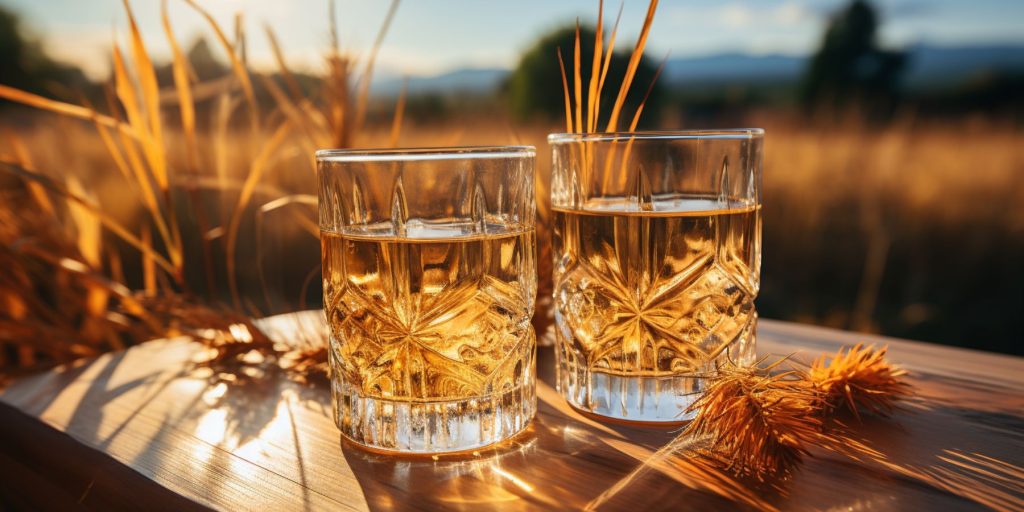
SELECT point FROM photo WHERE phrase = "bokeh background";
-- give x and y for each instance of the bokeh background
(894, 167)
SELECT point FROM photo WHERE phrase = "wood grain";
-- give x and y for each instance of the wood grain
(144, 427)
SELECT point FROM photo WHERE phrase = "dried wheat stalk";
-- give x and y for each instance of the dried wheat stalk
(859, 379)
(762, 423)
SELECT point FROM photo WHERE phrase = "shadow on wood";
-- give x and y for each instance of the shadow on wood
(145, 428)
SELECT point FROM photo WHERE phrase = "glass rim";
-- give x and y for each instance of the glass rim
(423, 153)
(714, 134)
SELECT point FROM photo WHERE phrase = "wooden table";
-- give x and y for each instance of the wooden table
(143, 429)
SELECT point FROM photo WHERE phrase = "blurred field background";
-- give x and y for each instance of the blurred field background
(892, 188)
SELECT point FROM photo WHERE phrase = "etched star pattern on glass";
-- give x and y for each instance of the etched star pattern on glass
(429, 296)
(656, 257)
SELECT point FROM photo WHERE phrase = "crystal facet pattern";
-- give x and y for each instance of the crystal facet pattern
(431, 348)
(656, 257)
(646, 301)
(429, 279)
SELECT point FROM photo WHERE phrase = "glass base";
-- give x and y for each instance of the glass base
(633, 399)
(638, 399)
(404, 426)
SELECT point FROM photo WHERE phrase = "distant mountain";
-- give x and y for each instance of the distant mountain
(459, 80)
(729, 67)
(933, 67)
(929, 67)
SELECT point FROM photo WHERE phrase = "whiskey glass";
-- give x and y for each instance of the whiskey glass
(429, 278)
(657, 249)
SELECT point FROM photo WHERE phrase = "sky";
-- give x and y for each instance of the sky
(429, 37)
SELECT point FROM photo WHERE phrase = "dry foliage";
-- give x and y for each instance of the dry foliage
(230, 336)
(754, 426)
(859, 379)
(582, 110)
(760, 424)
(308, 365)
(64, 287)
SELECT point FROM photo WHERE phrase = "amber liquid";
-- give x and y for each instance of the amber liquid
(651, 295)
(431, 335)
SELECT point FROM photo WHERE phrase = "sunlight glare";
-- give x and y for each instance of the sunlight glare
(212, 428)
(514, 479)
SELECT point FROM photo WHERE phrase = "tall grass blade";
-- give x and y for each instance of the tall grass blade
(148, 268)
(240, 41)
(636, 118)
(183, 87)
(116, 266)
(565, 91)
(304, 221)
(289, 79)
(221, 147)
(306, 199)
(634, 62)
(396, 121)
(336, 88)
(112, 148)
(640, 108)
(59, 107)
(255, 173)
(88, 227)
(126, 93)
(607, 63)
(332, 13)
(367, 76)
(292, 113)
(595, 69)
(151, 100)
(301, 113)
(237, 66)
(577, 85)
(338, 98)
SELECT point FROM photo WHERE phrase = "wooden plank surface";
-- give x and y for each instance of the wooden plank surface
(145, 428)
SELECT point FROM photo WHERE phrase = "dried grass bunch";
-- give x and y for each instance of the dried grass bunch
(237, 347)
(64, 287)
(582, 110)
(859, 379)
(761, 422)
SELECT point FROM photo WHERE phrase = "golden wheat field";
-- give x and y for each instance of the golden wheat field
(879, 230)
(171, 205)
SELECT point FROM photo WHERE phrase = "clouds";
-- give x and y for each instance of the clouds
(439, 35)
(792, 13)
(737, 16)
(698, 27)
(745, 15)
